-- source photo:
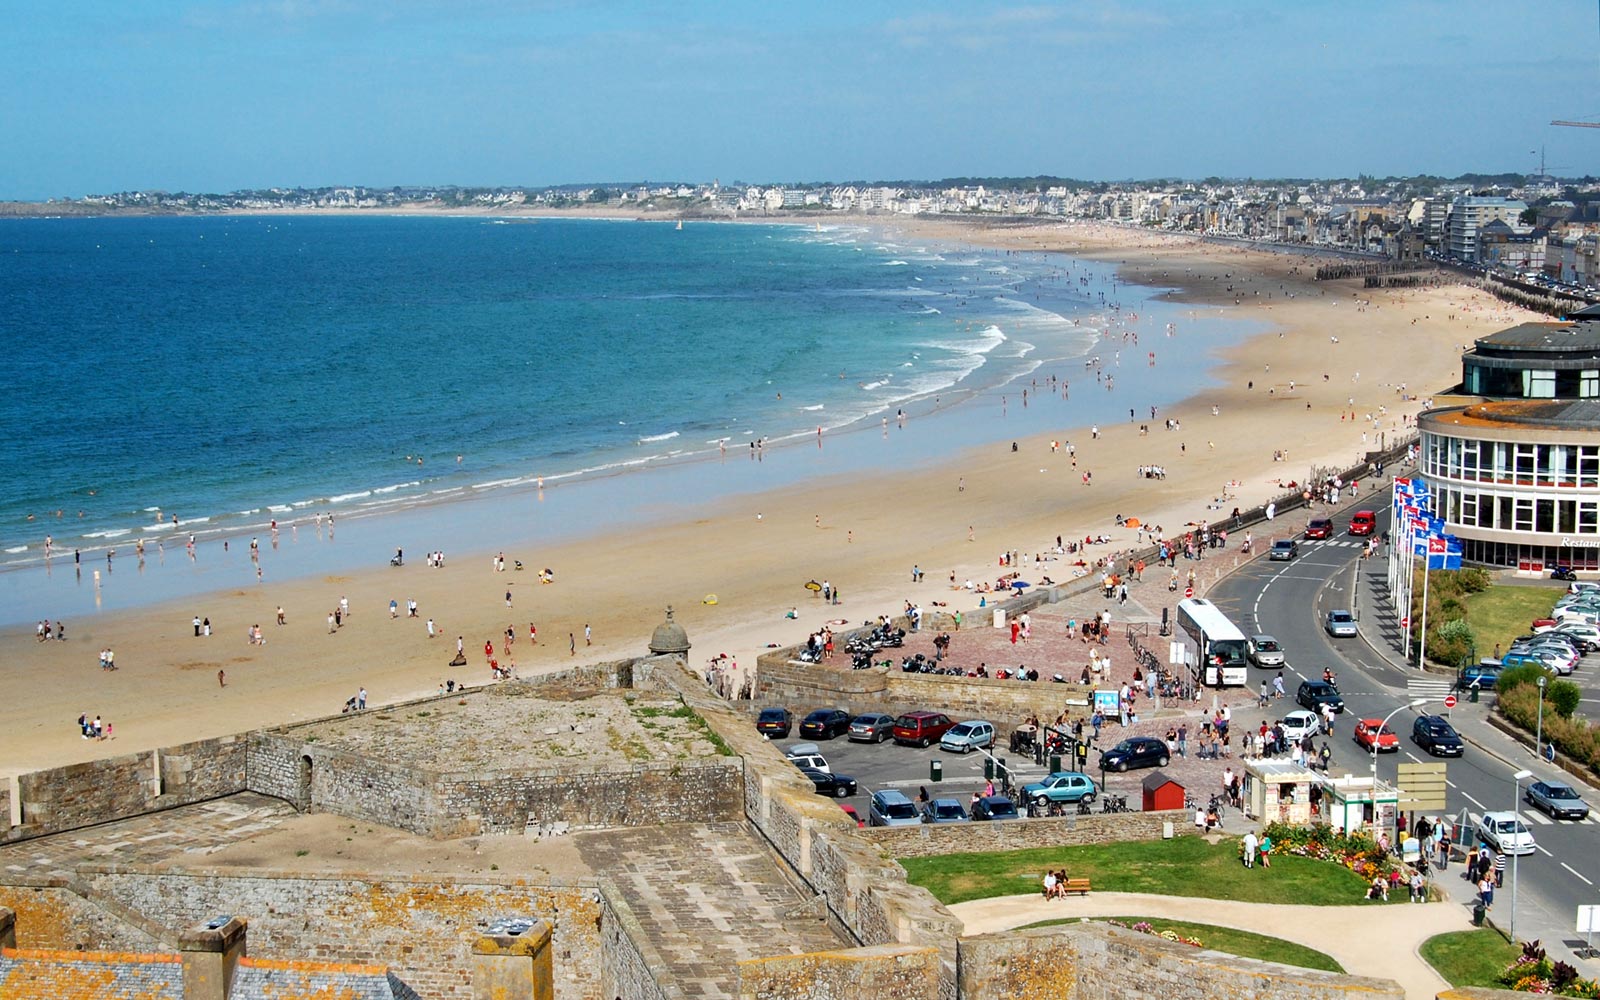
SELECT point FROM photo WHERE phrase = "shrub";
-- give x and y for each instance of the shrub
(1563, 696)
(1524, 676)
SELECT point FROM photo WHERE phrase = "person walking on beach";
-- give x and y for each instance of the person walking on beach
(533, 634)
(431, 632)
(508, 598)
(588, 635)
(197, 626)
(281, 620)
(222, 679)
(572, 644)
(361, 699)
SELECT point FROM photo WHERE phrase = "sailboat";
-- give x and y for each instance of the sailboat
(680, 225)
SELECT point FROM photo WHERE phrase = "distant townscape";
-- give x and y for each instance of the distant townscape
(1539, 226)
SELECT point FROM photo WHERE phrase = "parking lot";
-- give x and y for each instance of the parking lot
(889, 765)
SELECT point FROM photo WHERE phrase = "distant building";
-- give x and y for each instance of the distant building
(1469, 214)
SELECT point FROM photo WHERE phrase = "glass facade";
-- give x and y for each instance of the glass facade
(1533, 382)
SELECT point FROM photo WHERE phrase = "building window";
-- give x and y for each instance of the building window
(1589, 385)
(1526, 458)
(1589, 517)
(1588, 465)
(1567, 516)
(1544, 511)
(1469, 460)
(1469, 509)
(1539, 384)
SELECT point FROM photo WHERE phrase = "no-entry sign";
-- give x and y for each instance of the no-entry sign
(1449, 701)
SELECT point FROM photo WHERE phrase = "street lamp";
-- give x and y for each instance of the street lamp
(1538, 734)
(1516, 826)
(1377, 741)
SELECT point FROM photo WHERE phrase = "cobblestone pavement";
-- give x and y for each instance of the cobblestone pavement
(707, 896)
(185, 832)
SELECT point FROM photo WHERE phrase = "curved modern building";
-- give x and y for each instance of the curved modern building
(1518, 481)
(1537, 361)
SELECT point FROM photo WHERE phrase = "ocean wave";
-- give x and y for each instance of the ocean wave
(280, 508)
(151, 510)
(491, 484)
(875, 385)
(895, 263)
(651, 438)
(16, 549)
(397, 486)
(812, 408)
(343, 497)
(987, 340)
(108, 533)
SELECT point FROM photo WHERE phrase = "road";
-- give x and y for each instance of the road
(1289, 600)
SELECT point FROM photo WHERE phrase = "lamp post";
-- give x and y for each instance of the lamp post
(1377, 740)
(1516, 827)
(1538, 733)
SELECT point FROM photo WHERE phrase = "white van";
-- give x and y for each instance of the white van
(807, 755)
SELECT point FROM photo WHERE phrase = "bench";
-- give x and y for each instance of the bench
(1077, 885)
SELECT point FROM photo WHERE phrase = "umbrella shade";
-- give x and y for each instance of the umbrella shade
(813, 585)
(1019, 584)
(709, 599)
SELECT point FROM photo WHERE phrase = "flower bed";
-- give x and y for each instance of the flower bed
(1535, 973)
(1144, 927)
(1355, 851)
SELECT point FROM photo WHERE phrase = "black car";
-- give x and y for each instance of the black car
(774, 723)
(1434, 734)
(825, 724)
(840, 786)
(1315, 694)
(995, 807)
(1135, 751)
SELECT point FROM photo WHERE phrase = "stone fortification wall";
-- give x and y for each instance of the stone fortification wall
(1058, 831)
(702, 791)
(52, 916)
(98, 791)
(867, 896)
(898, 971)
(629, 956)
(1100, 962)
(421, 927)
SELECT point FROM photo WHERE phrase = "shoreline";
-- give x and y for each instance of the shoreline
(863, 532)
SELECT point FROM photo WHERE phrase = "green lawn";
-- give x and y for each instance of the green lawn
(1501, 613)
(1229, 941)
(1470, 958)
(1182, 866)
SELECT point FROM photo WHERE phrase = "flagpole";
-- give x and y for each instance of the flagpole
(1422, 637)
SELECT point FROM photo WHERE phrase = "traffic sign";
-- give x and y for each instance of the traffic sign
(1188, 592)
(1405, 621)
(1449, 701)
(1422, 786)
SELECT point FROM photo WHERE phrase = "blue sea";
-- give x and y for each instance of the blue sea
(234, 371)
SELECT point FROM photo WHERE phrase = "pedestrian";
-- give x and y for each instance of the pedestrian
(1183, 739)
(331, 626)
(1500, 869)
(508, 598)
(281, 620)
(1265, 847)
(1444, 849)
(222, 679)
(1265, 698)
(394, 608)
(572, 644)
(588, 635)
(431, 630)
(1248, 848)
(197, 626)
(361, 699)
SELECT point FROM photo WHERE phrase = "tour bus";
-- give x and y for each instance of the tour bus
(1214, 649)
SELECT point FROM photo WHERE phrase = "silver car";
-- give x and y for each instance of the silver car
(871, 727)
(1265, 651)
(1340, 624)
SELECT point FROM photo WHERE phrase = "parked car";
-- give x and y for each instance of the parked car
(1372, 733)
(1315, 694)
(850, 810)
(1135, 751)
(1587, 635)
(804, 755)
(1505, 833)
(1299, 724)
(840, 786)
(1283, 550)
(1434, 734)
(825, 723)
(1558, 799)
(921, 728)
(1319, 528)
(1265, 651)
(1482, 674)
(871, 727)
(1061, 786)
(1340, 624)
(968, 736)
(890, 807)
(944, 811)
(994, 807)
(774, 723)
(1363, 522)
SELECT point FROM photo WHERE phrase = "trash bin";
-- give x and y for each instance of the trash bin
(1473, 695)
(1055, 762)
(1479, 911)
(988, 768)
(935, 770)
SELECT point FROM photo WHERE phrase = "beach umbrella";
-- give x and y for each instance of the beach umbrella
(710, 599)
(813, 586)
(1020, 584)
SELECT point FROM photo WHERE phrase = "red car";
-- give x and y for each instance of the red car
(1363, 522)
(851, 812)
(1319, 528)
(1368, 733)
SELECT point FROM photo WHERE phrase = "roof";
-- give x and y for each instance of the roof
(30, 973)
(1563, 414)
(73, 975)
(1156, 779)
(1564, 338)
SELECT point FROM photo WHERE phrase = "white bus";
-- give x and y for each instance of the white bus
(1213, 647)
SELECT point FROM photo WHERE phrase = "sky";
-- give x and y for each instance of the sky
(115, 95)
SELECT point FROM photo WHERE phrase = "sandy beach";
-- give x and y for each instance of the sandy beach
(1288, 390)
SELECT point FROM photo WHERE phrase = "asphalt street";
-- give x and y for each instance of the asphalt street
(1289, 600)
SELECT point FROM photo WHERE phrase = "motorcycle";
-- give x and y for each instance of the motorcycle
(1563, 573)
